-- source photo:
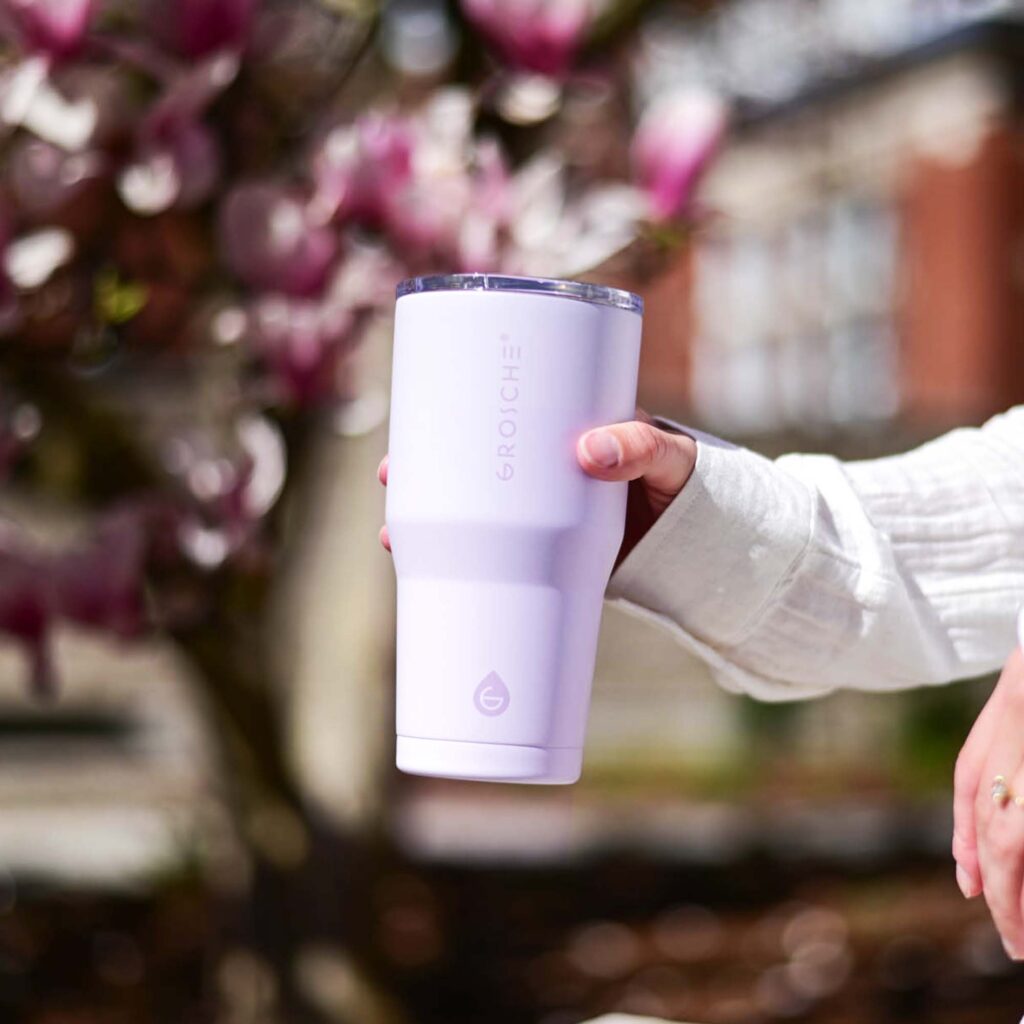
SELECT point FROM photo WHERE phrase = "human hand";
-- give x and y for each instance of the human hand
(988, 816)
(656, 463)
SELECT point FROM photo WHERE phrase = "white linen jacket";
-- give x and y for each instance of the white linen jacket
(805, 574)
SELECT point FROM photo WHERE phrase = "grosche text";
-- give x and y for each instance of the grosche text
(508, 409)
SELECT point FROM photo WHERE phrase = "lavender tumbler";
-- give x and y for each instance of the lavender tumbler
(502, 545)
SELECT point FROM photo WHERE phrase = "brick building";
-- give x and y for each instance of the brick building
(859, 280)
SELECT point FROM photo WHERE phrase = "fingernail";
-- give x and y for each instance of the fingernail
(1011, 952)
(964, 881)
(603, 448)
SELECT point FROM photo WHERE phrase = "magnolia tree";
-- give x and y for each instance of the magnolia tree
(205, 205)
(179, 180)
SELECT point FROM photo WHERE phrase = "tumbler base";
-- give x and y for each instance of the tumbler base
(488, 762)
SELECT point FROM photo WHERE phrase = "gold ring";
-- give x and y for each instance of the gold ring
(1001, 792)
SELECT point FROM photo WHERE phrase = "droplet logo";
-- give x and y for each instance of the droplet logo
(492, 696)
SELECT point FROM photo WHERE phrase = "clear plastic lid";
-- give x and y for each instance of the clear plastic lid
(581, 290)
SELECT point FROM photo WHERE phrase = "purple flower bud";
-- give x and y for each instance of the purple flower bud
(673, 145)
(56, 28)
(533, 35)
(194, 28)
(272, 241)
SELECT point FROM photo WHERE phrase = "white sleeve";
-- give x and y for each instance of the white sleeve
(799, 576)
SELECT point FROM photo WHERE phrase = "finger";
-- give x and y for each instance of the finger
(971, 782)
(1001, 855)
(384, 538)
(967, 779)
(1000, 827)
(628, 451)
(382, 471)
(1015, 895)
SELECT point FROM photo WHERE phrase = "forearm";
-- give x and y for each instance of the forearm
(797, 577)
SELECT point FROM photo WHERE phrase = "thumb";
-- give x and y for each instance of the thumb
(629, 451)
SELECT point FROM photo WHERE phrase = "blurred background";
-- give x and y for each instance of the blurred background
(204, 208)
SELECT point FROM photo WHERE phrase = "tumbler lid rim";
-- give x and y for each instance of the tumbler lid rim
(596, 294)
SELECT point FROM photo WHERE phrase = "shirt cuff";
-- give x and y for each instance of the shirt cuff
(722, 550)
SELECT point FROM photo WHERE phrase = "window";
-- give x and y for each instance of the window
(794, 323)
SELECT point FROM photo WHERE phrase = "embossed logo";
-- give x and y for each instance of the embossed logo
(492, 696)
(508, 409)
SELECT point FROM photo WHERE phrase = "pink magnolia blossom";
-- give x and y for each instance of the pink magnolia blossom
(195, 28)
(673, 145)
(177, 158)
(271, 239)
(454, 221)
(424, 220)
(452, 218)
(25, 608)
(231, 487)
(99, 584)
(454, 209)
(56, 28)
(301, 343)
(177, 163)
(437, 193)
(543, 36)
(358, 167)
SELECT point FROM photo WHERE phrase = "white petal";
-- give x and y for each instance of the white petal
(31, 259)
(263, 444)
(65, 123)
(150, 186)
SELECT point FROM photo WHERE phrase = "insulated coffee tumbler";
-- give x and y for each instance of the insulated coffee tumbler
(502, 545)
